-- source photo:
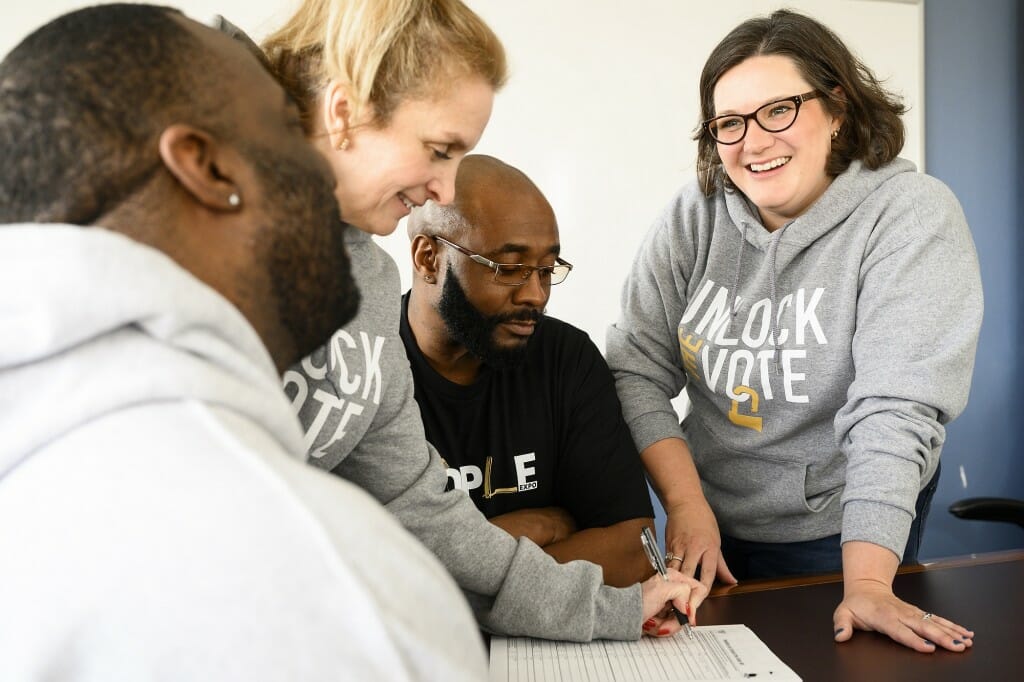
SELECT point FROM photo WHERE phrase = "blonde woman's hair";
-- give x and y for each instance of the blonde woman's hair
(385, 51)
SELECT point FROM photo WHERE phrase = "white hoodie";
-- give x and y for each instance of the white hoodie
(157, 520)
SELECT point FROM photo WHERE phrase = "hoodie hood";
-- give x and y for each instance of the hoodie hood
(846, 193)
(92, 322)
(833, 207)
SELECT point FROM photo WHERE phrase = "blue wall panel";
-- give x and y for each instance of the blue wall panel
(974, 144)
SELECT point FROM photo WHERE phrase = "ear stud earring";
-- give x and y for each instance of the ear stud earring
(428, 278)
(835, 133)
(343, 145)
(234, 199)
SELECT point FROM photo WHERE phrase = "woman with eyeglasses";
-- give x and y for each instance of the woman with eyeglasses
(394, 93)
(820, 302)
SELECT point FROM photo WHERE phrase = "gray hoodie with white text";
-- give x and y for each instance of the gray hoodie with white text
(822, 360)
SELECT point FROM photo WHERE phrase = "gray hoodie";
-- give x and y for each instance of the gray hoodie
(157, 518)
(822, 361)
(354, 397)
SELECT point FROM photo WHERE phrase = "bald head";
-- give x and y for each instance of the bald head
(483, 185)
(484, 267)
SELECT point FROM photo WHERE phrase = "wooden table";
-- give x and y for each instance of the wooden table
(793, 616)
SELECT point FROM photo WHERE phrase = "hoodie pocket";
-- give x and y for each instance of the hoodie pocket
(749, 492)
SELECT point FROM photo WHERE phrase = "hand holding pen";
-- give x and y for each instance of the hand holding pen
(664, 588)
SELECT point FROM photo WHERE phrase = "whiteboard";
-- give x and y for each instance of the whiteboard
(601, 105)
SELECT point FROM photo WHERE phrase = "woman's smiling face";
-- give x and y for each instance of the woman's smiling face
(385, 171)
(782, 173)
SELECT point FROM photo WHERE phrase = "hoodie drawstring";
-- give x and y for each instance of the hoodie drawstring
(773, 247)
(739, 268)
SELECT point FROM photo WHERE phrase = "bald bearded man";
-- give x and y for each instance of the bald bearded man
(521, 406)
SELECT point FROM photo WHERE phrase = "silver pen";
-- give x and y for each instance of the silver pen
(654, 556)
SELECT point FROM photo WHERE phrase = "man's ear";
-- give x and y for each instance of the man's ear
(203, 167)
(336, 110)
(424, 258)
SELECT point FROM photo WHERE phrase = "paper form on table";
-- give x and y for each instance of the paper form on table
(718, 652)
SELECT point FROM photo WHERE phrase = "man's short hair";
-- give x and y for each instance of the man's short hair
(477, 174)
(83, 101)
(434, 219)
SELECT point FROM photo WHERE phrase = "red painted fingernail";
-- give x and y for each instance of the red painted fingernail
(687, 608)
(649, 624)
(662, 632)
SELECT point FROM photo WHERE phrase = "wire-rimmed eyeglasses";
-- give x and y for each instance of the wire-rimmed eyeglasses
(773, 117)
(516, 274)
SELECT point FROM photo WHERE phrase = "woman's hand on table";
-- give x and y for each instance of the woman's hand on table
(870, 604)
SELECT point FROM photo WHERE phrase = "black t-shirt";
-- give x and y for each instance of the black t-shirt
(547, 433)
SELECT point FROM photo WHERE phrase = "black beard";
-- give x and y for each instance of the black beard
(303, 249)
(474, 331)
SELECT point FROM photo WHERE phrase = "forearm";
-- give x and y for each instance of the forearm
(868, 564)
(672, 472)
(499, 574)
(571, 601)
(616, 549)
(542, 525)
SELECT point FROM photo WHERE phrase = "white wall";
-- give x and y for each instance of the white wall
(258, 16)
(602, 102)
(601, 105)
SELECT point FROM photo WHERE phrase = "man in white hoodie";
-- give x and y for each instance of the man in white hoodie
(170, 244)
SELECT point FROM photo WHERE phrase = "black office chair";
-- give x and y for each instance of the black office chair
(989, 509)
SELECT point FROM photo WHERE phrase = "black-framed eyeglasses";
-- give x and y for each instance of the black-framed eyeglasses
(516, 274)
(773, 117)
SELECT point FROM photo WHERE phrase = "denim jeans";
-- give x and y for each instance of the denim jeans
(748, 560)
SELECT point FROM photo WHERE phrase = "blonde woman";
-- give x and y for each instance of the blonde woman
(394, 93)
